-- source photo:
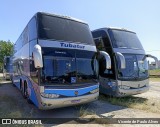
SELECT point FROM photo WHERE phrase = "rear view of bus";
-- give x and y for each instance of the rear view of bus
(129, 72)
(60, 65)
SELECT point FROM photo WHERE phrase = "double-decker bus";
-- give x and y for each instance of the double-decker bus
(55, 62)
(129, 72)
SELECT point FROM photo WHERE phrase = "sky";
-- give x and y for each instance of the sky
(140, 16)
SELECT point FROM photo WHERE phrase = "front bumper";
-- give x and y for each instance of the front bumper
(123, 92)
(47, 103)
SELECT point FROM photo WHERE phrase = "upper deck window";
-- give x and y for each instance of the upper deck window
(58, 28)
(124, 39)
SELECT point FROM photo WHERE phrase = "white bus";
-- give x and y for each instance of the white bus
(55, 62)
(129, 72)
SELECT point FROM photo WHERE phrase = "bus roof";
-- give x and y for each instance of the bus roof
(62, 16)
(55, 15)
(114, 28)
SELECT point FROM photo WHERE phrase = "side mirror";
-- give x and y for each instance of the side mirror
(155, 58)
(37, 56)
(107, 58)
(122, 59)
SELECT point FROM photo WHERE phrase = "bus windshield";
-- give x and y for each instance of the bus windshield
(124, 39)
(63, 29)
(68, 69)
(136, 67)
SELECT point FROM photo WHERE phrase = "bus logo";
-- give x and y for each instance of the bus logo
(76, 93)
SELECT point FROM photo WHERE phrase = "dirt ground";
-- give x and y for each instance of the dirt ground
(99, 108)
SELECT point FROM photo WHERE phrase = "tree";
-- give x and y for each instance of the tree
(6, 49)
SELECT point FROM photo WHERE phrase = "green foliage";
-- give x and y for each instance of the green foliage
(135, 102)
(6, 49)
(155, 72)
(156, 79)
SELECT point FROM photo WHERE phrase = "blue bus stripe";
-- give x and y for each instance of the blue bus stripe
(70, 92)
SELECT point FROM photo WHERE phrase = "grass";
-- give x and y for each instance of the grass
(83, 111)
(154, 72)
(140, 103)
(91, 117)
(154, 79)
(154, 75)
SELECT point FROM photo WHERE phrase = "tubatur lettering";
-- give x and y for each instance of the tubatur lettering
(72, 46)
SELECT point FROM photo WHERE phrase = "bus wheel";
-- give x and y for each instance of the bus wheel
(26, 93)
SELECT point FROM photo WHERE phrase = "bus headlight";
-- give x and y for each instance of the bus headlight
(111, 84)
(50, 95)
(55, 95)
(124, 87)
(94, 91)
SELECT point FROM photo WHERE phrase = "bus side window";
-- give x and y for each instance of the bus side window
(107, 43)
(99, 44)
(32, 29)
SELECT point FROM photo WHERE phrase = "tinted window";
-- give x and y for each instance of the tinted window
(131, 70)
(101, 39)
(32, 29)
(124, 39)
(136, 67)
(67, 66)
(58, 70)
(99, 43)
(143, 66)
(103, 43)
(56, 28)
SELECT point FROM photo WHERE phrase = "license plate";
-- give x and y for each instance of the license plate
(75, 101)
